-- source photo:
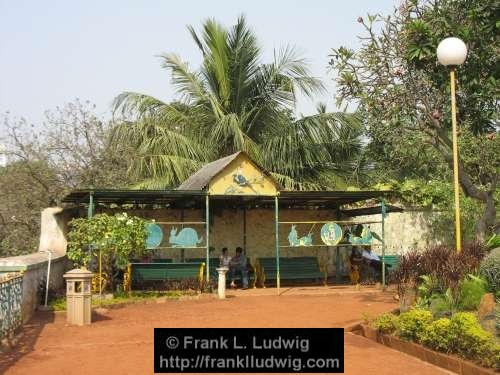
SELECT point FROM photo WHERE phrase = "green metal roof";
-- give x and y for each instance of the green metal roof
(326, 199)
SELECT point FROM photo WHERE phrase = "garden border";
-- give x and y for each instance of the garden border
(446, 361)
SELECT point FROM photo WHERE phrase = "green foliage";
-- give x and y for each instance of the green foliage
(472, 341)
(119, 238)
(386, 323)
(22, 198)
(467, 297)
(438, 270)
(472, 290)
(490, 269)
(425, 289)
(441, 305)
(494, 241)
(403, 97)
(437, 335)
(438, 196)
(235, 102)
(115, 239)
(59, 304)
(462, 334)
(412, 324)
(69, 149)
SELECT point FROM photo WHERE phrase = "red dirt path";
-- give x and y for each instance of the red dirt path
(120, 341)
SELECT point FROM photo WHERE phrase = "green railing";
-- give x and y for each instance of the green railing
(11, 295)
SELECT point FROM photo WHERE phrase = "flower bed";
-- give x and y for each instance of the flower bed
(458, 344)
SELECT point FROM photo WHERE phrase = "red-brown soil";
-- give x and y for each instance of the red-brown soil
(120, 341)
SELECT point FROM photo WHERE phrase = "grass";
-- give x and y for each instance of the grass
(59, 304)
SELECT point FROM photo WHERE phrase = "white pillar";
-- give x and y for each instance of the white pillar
(221, 290)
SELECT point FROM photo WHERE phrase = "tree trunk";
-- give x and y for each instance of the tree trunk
(487, 222)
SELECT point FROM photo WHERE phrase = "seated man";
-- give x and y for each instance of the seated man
(374, 261)
(238, 264)
(224, 259)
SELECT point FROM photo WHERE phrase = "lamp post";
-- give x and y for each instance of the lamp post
(452, 52)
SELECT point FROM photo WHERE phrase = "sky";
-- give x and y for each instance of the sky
(54, 51)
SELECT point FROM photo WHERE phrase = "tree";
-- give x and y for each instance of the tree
(23, 196)
(111, 240)
(234, 102)
(403, 94)
(70, 150)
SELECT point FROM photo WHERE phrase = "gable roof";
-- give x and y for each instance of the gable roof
(200, 179)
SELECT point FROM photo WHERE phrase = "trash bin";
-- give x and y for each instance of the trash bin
(78, 296)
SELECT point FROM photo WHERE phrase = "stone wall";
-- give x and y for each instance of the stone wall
(404, 230)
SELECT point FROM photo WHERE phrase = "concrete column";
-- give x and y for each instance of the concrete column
(221, 290)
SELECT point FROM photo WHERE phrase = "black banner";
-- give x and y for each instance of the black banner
(268, 350)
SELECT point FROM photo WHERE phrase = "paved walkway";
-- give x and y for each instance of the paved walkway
(120, 341)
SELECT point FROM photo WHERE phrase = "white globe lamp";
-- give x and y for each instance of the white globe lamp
(451, 51)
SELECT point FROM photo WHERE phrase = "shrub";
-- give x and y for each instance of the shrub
(406, 276)
(472, 290)
(386, 323)
(438, 335)
(443, 304)
(115, 239)
(412, 324)
(490, 269)
(494, 241)
(471, 341)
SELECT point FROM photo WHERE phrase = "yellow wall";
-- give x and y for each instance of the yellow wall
(259, 183)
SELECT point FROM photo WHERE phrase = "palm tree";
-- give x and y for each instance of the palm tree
(234, 102)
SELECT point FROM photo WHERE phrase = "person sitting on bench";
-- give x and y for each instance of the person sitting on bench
(224, 259)
(374, 261)
(238, 264)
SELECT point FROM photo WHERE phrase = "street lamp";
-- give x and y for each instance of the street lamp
(452, 52)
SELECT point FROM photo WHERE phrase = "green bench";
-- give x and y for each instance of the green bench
(294, 268)
(214, 263)
(391, 260)
(140, 273)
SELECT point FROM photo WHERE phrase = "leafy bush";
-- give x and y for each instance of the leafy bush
(437, 269)
(118, 238)
(490, 269)
(386, 323)
(437, 336)
(449, 267)
(472, 290)
(407, 272)
(412, 324)
(471, 341)
(494, 241)
(440, 306)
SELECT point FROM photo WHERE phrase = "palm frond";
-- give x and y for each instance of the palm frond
(189, 84)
